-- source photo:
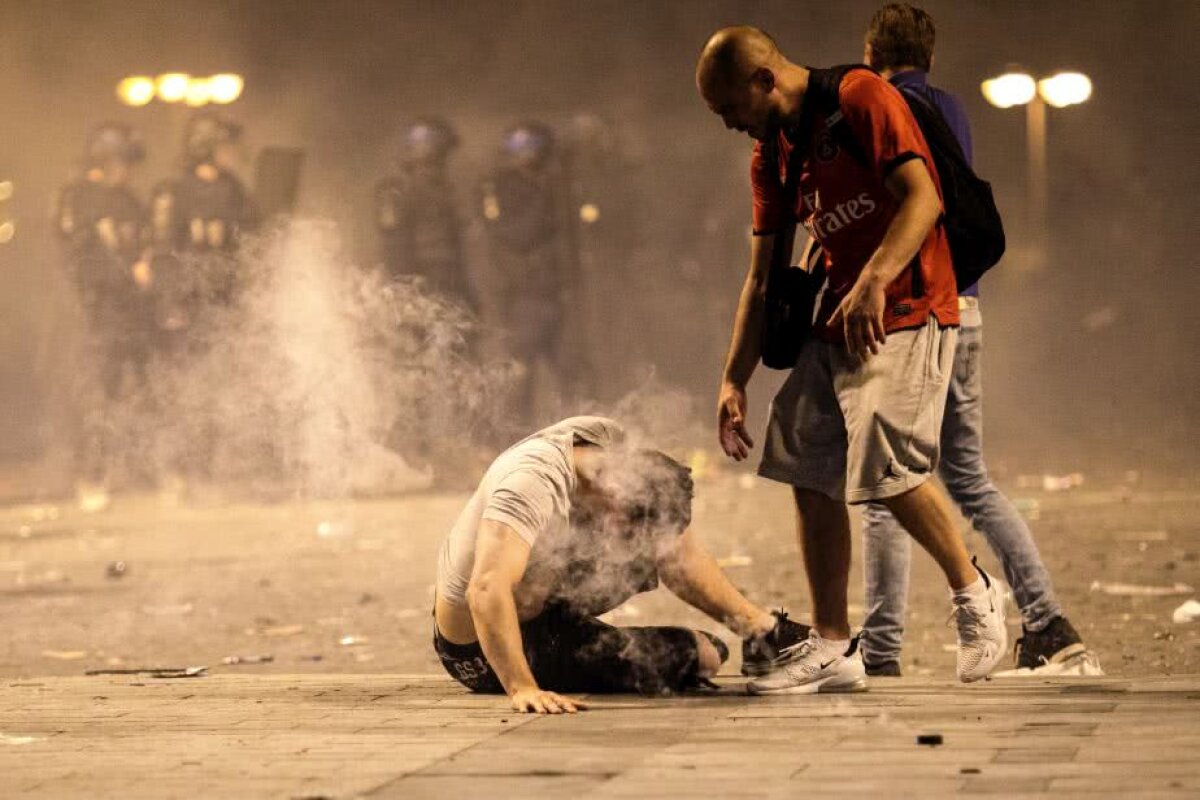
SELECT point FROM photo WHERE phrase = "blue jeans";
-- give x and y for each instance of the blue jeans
(887, 547)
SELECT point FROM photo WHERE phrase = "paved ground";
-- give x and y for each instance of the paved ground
(338, 596)
(347, 587)
(403, 736)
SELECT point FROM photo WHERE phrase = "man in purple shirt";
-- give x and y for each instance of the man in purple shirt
(899, 44)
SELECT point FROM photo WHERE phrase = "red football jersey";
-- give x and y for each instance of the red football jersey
(846, 207)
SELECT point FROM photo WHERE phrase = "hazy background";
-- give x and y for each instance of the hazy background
(1090, 357)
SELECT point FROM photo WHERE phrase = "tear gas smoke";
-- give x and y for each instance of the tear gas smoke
(322, 380)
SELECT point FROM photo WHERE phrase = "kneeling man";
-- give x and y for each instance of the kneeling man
(567, 525)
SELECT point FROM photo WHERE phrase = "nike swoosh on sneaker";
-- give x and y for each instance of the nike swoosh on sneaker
(827, 663)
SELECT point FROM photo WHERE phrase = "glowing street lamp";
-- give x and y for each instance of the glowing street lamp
(225, 88)
(199, 92)
(1065, 89)
(172, 86)
(137, 90)
(1020, 89)
(1010, 89)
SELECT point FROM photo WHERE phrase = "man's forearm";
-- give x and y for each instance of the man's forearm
(494, 612)
(745, 347)
(918, 213)
(694, 576)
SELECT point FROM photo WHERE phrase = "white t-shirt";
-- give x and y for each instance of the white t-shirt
(529, 488)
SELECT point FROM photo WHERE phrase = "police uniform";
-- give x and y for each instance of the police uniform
(416, 215)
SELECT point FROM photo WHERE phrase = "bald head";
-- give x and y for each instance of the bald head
(747, 82)
(732, 55)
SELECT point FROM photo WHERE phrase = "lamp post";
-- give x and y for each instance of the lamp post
(1020, 89)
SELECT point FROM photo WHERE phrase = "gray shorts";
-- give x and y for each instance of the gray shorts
(859, 432)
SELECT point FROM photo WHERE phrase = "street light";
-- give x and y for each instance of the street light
(137, 90)
(225, 88)
(1021, 89)
(1065, 89)
(1010, 89)
(172, 86)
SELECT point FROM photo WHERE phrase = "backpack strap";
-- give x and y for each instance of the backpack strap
(824, 90)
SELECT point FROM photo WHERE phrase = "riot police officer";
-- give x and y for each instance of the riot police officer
(524, 213)
(198, 219)
(104, 228)
(417, 217)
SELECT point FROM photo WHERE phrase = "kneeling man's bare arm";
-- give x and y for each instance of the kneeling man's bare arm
(500, 559)
(693, 575)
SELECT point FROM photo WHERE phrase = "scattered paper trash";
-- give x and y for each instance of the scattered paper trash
(6, 738)
(330, 529)
(353, 641)
(1135, 590)
(1188, 612)
(154, 672)
(65, 655)
(172, 610)
(282, 630)
(235, 660)
(1061, 483)
(735, 561)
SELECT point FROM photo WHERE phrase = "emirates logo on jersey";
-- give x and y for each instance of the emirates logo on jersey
(824, 222)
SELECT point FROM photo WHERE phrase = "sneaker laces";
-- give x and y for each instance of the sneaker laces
(968, 618)
(798, 650)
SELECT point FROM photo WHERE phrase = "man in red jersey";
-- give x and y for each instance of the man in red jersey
(859, 416)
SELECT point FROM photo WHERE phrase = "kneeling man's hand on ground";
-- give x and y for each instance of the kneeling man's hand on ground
(539, 701)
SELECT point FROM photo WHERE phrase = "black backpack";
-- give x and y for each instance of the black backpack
(972, 222)
(973, 226)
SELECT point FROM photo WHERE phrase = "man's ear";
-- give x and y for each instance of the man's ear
(764, 79)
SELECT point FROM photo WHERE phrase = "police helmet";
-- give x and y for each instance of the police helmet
(113, 141)
(428, 139)
(205, 133)
(528, 141)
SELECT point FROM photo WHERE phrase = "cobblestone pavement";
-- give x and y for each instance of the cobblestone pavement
(406, 736)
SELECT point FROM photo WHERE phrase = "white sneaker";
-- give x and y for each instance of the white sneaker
(814, 665)
(982, 637)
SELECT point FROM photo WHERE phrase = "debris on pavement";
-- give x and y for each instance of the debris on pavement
(1188, 612)
(353, 641)
(281, 630)
(65, 655)
(6, 738)
(171, 610)
(1061, 483)
(930, 739)
(117, 570)
(154, 672)
(329, 529)
(735, 561)
(1135, 590)
(234, 660)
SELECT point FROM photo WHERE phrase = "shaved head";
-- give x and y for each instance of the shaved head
(747, 82)
(733, 55)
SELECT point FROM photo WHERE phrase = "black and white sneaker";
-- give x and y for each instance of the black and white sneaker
(1056, 644)
(759, 653)
(814, 665)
